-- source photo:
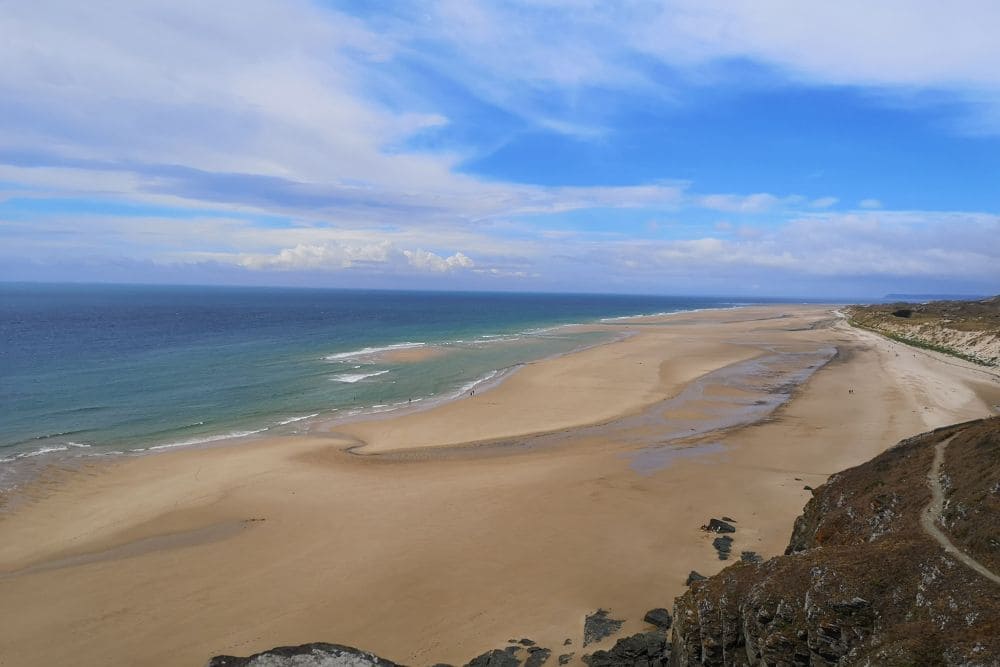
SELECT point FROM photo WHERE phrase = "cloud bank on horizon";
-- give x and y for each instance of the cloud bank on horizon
(769, 148)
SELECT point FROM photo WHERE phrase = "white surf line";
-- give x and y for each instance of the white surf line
(932, 513)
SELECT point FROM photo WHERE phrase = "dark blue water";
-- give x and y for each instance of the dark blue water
(101, 368)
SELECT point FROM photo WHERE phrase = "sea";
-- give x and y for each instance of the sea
(120, 370)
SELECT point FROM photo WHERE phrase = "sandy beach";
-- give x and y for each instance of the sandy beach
(578, 483)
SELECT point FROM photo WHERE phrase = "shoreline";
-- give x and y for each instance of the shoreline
(429, 554)
(30, 466)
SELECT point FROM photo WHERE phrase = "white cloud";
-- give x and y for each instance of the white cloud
(428, 261)
(755, 203)
(329, 256)
(337, 256)
(293, 109)
(536, 59)
(928, 244)
(823, 202)
(894, 43)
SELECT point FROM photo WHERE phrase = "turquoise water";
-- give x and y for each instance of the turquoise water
(89, 370)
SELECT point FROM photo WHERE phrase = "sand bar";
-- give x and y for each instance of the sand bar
(425, 548)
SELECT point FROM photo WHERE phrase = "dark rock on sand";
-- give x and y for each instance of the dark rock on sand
(807, 488)
(724, 546)
(495, 658)
(750, 557)
(526, 642)
(317, 654)
(567, 642)
(659, 617)
(650, 649)
(717, 526)
(565, 658)
(598, 625)
(729, 518)
(537, 656)
(693, 577)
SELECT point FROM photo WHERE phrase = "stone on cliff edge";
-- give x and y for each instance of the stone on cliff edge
(494, 658)
(693, 577)
(318, 654)
(597, 626)
(659, 617)
(646, 648)
(537, 656)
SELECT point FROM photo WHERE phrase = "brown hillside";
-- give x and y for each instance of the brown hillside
(861, 582)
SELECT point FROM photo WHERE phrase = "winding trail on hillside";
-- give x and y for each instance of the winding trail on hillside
(932, 514)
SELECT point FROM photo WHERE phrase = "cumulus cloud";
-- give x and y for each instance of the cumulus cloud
(870, 203)
(428, 261)
(334, 256)
(327, 256)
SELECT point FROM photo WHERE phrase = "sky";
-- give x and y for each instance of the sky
(741, 147)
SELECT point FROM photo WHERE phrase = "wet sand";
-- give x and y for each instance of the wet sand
(580, 482)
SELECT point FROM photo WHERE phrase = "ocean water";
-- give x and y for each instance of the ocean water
(92, 370)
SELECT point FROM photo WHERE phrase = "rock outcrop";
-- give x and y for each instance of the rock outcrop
(649, 649)
(861, 582)
(318, 654)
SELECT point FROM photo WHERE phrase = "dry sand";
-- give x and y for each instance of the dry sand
(424, 548)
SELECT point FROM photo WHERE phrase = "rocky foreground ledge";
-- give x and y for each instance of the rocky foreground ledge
(894, 562)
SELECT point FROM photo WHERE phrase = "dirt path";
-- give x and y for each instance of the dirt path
(932, 513)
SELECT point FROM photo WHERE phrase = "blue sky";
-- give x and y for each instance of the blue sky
(747, 148)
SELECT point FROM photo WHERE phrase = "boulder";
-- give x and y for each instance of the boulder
(718, 526)
(599, 625)
(650, 649)
(693, 577)
(317, 654)
(494, 658)
(537, 656)
(659, 617)
(724, 546)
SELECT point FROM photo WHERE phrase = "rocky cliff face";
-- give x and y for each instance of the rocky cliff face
(861, 581)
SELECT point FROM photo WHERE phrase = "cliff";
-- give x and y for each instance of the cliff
(864, 580)
(966, 329)
(893, 562)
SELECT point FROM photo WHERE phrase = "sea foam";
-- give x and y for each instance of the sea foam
(369, 351)
(292, 420)
(356, 377)
(208, 438)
